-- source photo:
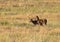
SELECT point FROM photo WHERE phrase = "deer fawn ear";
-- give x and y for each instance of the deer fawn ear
(37, 18)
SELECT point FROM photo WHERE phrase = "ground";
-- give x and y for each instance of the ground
(15, 25)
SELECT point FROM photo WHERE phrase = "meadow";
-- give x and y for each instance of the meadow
(15, 25)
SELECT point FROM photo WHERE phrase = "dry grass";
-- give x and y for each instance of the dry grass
(15, 23)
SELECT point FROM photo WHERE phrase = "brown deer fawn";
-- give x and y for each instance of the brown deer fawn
(39, 21)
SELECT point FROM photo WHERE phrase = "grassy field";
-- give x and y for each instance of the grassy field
(15, 25)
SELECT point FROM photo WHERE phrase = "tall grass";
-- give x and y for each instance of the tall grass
(55, 36)
(33, 7)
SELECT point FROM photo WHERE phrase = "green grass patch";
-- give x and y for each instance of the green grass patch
(4, 23)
